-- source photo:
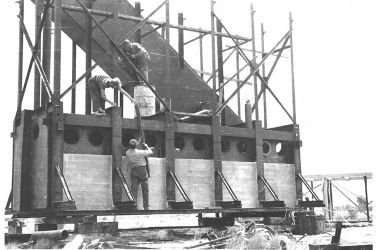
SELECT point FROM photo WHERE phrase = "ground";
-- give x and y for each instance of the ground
(130, 236)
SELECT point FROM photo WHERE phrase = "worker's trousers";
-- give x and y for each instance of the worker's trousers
(97, 101)
(140, 176)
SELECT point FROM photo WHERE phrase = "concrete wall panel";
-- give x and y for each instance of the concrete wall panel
(282, 179)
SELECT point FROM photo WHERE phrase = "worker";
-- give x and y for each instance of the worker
(136, 164)
(139, 56)
(97, 85)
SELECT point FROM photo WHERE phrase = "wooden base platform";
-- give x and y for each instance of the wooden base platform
(235, 212)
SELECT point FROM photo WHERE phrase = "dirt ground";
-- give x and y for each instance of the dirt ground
(131, 236)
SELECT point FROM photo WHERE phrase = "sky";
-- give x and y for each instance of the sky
(336, 51)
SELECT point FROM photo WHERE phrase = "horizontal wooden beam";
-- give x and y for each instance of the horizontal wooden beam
(185, 128)
(225, 78)
(278, 135)
(138, 19)
(344, 176)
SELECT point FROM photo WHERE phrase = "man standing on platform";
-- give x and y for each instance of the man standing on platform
(97, 85)
(136, 164)
(139, 56)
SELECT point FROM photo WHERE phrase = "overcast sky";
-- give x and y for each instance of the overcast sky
(336, 72)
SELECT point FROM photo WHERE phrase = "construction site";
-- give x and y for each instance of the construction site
(220, 175)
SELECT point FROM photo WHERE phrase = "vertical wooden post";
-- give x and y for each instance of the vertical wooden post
(167, 20)
(219, 44)
(37, 80)
(262, 83)
(181, 46)
(213, 46)
(297, 160)
(57, 47)
(217, 155)
(21, 161)
(201, 55)
(88, 48)
(331, 208)
(237, 83)
(116, 121)
(248, 114)
(56, 123)
(259, 158)
(46, 53)
(163, 32)
(137, 13)
(20, 53)
(326, 199)
(254, 62)
(366, 197)
(167, 66)
(73, 75)
(169, 155)
(292, 68)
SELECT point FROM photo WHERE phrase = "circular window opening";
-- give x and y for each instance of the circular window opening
(242, 147)
(179, 143)
(96, 138)
(126, 137)
(225, 145)
(36, 131)
(151, 140)
(71, 136)
(266, 148)
(280, 148)
(198, 143)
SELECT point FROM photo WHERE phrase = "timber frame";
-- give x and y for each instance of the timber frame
(214, 124)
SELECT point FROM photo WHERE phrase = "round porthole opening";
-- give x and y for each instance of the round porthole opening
(280, 148)
(242, 147)
(225, 145)
(179, 143)
(96, 138)
(71, 136)
(198, 143)
(266, 148)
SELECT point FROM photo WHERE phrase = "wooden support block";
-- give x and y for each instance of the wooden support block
(100, 227)
(116, 120)
(45, 227)
(14, 230)
(170, 152)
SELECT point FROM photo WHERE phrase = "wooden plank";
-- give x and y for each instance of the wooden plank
(297, 161)
(117, 187)
(21, 144)
(87, 120)
(237, 132)
(56, 132)
(278, 135)
(170, 155)
(259, 159)
(192, 128)
(217, 155)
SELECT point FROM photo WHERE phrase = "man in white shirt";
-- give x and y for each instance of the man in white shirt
(137, 163)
